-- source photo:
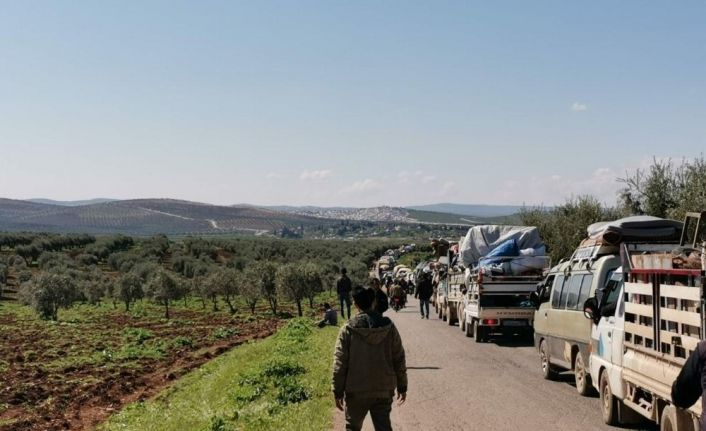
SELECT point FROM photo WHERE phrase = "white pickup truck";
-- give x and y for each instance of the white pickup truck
(647, 319)
(498, 303)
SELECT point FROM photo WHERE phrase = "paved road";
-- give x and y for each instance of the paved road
(457, 384)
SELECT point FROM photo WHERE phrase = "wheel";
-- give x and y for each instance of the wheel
(581, 377)
(669, 419)
(548, 372)
(469, 329)
(449, 316)
(461, 321)
(478, 332)
(609, 404)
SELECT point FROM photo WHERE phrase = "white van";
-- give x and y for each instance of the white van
(562, 334)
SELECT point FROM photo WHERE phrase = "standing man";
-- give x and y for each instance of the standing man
(380, 304)
(343, 288)
(368, 366)
(424, 292)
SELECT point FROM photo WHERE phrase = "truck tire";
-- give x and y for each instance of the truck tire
(449, 316)
(609, 404)
(469, 329)
(478, 332)
(548, 371)
(581, 377)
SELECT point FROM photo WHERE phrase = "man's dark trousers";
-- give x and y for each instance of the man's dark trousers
(422, 304)
(379, 408)
(347, 300)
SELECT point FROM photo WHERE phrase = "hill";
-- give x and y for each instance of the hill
(145, 217)
(71, 203)
(472, 210)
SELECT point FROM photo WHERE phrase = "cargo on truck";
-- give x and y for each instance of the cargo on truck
(646, 321)
(503, 266)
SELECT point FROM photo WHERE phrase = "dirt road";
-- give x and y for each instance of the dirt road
(456, 384)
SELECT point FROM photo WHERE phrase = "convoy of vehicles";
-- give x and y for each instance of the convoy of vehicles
(623, 313)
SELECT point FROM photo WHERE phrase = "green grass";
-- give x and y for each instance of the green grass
(282, 382)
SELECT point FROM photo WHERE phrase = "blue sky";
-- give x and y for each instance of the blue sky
(346, 103)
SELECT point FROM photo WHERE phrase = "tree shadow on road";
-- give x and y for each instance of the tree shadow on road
(423, 368)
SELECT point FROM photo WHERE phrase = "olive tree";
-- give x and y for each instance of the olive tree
(163, 288)
(291, 281)
(48, 292)
(227, 282)
(264, 274)
(129, 289)
(251, 288)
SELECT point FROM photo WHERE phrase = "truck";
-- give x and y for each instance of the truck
(498, 303)
(450, 294)
(646, 320)
(503, 265)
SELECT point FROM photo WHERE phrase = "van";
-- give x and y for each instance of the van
(562, 334)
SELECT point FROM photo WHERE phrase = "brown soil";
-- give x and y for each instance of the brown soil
(36, 394)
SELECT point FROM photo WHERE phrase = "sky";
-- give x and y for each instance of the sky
(345, 103)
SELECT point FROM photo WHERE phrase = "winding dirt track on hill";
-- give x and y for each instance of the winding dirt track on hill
(457, 384)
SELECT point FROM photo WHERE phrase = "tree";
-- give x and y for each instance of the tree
(48, 292)
(313, 281)
(130, 289)
(563, 227)
(251, 288)
(227, 283)
(290, 280)
(652, 192)
(163, 288)
(265, 273)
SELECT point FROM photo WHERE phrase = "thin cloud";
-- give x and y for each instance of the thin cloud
(579, 107)
(366, 185)
(315, 175)
(274, 176)
(428, 179)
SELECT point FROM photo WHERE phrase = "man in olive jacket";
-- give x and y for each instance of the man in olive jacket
(369, 364)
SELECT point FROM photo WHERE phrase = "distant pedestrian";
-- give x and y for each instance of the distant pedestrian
(330, 316)
(381, 301)
(343, 289)
(424, 292)
(368, 366)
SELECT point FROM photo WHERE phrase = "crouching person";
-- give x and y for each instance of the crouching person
(368, 366)
(330, 316)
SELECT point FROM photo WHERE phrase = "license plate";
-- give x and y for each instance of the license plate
(514, 323)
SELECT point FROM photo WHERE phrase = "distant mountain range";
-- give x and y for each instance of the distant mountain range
(144, 217)
(72, 203)
(470, 209)
(178, 217)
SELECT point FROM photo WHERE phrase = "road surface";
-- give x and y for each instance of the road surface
(457, 384)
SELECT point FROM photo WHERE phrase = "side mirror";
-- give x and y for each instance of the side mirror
(590, 310)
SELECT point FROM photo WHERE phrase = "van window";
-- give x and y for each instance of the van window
(585, 289)
(572, 296)
(556, 290)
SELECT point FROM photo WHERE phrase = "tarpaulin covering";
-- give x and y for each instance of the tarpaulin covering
(481, 240)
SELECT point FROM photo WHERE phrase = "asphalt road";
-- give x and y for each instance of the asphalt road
(457, 384)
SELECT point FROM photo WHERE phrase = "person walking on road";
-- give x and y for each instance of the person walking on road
(343, 289)
(381, 300)
(424, 292)
(368, 366)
